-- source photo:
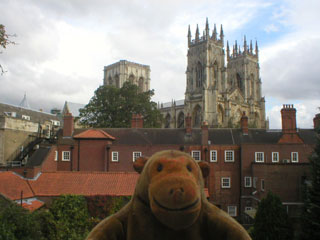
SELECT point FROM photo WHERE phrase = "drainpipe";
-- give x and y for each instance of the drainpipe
(79, 155)
(240, 209)
(107, 163)
(71, 156)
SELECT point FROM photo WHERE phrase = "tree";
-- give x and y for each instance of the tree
(113, 107)
(4, 41)
(271, 221)
(71, 215)
(311, 215)
(17, 223)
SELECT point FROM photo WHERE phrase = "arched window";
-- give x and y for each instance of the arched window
(199, 75)
(110, 80)
(117, 81)
(167, 121)
(240, 84)
(141, 82)
(197, 116)
(181, 120)
(131, 78)
(220, 116)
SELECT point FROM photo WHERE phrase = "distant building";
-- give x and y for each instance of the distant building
(73, 109)
(123, 71)
(216, 92)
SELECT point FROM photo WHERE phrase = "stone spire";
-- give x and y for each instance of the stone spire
(197, 34)
(221, 33)
(214, 33)
(24, 103)
(228, 51)
(207, 29)
(257, 50)
(251, 48)
(245, 47)
(189, 36)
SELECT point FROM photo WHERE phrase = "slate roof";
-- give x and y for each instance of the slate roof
(221, 136)
(38, 157)
(35, 116)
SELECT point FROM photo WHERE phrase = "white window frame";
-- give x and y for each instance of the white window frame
(294, 157)
(247, 181)
(273, 156)
(262, 185)
(56, 155)
(25, 117)
(213, 156)
(257, 159)
(226, 155)
(194, 152)
(232, 211)
(114, 156)
(68, 153)
(136, 155)
(223, 183)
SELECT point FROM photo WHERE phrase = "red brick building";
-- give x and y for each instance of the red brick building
(245, 163)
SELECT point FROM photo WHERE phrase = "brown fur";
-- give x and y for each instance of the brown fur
(169, 203)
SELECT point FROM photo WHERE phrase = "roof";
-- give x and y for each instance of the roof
(35, 116)
(12, 185)
(38, 157)
(221, 136)
(79, 183)
(169, 104)
(32, 205)
(85, 183)
(72, 108)
(94, 134)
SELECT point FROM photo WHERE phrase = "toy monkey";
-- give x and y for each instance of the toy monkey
(169, 204)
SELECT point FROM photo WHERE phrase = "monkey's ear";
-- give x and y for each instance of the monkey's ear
(205, 168)
(139, 164)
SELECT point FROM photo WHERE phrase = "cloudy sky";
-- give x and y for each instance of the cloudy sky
(63, 45)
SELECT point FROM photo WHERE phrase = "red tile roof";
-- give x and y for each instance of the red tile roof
(11, 186)
(94, 134)
(85, 183)
(33, 205)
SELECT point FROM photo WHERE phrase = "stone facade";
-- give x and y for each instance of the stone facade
(118, 73)
(215, 92)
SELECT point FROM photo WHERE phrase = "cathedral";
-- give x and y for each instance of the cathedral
(221, 85)
(218, 93)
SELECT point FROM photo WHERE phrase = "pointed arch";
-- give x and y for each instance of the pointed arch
(220, 115)
(199, 75)
(257, 121)
(180, 122)
(132, 78)
(141, 83)
(167, 121)
(239, 82)
(110, 82)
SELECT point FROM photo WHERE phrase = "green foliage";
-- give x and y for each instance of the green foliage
(71, 216)
(311, 216)
(271, 221)
(47, 224)
(118, 203)
(4, 41)
(17, 223)
(113, 107)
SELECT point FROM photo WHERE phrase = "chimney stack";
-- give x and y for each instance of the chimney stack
(316, 121)
(137, 121)
(204, 133)
(288, 116)
(188, 124)
(68, 127)
(244, 124)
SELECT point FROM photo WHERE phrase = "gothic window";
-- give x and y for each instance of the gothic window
(181, 120)
(110, 80)
(197, 116)
(215, 73)
(131, 78)
(117, 81)
(167, 121)
(141, 81)
(199, 75)
(239, 82)
(220, 115)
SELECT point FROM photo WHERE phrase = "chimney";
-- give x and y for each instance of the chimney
(137, 121)
(188, 124)
(316, 121)
(204, 133)
(68, 125)
(244, 124)
(288, 116)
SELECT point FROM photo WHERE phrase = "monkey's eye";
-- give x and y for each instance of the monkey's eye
(189, 168)
(160, 167)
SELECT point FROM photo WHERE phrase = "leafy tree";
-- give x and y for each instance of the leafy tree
(17, 223)
(71, 216)
(271, 221)
(113, 107)
(311, 215)
(46, 223)
(4, 41)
